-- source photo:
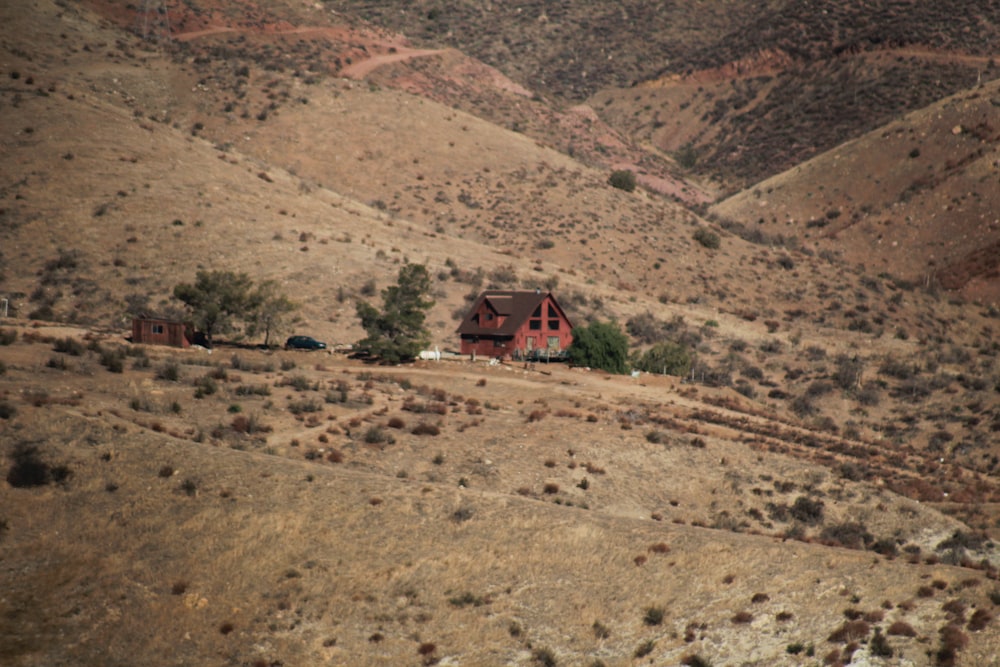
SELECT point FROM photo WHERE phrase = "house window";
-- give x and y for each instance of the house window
(538, 312)
(475, 318)
(535, 325)
(552, 311)
(157, 328)
(553, 325)
(553, 342)
(489, 317)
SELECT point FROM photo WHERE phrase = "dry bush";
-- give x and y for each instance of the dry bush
(653, 616)
(980, 619)
(537, 415)
(954, 608)
(850, 631)
(396, 422)
(953, 640)
(901, 629)
(875, 616)
(425, 428)
(660, 548)
(742, 617)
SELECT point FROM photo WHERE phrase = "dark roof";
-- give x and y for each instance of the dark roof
(148, 317)
(515, 306)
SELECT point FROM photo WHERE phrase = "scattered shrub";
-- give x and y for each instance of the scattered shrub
(807, 510)
(466, 599)
(29, 470)
(113, 359)
(741, 617)
(879, 645)
(249, 424)
(425, 428)
(303, 406)
(707, 238)
(901, 629)
(169, 371)
(205, 386)
(623, 179)
(70, 346)
(644, 649)
(656, 437)
(850, 631)
(375, 435)
(653, 616)
(537, 415)
(8, 336)
(666, 358)
(544, 657)
(980, 619)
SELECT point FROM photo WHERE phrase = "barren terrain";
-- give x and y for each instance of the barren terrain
(813, 224)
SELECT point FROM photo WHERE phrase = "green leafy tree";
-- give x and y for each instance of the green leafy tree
(270, 311)
(666, 357)
(397, 332)
(215, 299)
(600, 345)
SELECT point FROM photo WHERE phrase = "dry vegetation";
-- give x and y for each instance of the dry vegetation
(821, 486)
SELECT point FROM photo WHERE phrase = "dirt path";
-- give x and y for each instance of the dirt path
(359, 70)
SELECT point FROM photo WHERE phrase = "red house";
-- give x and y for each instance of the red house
(158, 331)
(515, 325)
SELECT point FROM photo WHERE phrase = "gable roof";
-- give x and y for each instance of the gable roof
(515, 306)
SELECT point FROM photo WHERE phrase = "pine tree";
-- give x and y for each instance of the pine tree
(397, 332)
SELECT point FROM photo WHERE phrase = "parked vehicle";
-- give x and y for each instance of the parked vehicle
(304, 343)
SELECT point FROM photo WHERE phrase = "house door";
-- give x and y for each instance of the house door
(529, 343)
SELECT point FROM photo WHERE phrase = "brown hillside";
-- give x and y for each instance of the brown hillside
(822, 484)
(916, 198)
(170, 536)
